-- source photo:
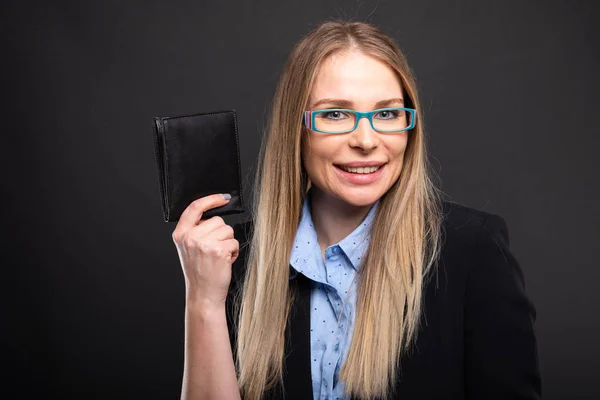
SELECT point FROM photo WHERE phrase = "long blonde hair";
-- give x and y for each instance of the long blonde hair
(405, 235)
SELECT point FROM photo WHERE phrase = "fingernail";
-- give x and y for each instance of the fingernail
(226, 196)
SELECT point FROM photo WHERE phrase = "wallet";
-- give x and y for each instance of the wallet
(198, 155)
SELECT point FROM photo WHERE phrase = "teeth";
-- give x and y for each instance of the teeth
(360, 170)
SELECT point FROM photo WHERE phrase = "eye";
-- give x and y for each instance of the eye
(333, 115)
(389, 114)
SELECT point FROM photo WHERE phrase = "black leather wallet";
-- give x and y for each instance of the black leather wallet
(198, 155)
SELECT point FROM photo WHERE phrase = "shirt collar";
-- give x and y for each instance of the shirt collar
(305, 243)
(357, 242)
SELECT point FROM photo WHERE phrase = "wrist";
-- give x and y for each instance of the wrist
(201, 314)
(203, 305)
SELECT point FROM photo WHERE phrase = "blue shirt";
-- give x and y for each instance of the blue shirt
(333, 296)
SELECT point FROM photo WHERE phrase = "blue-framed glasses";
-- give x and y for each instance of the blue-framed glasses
(340, 120)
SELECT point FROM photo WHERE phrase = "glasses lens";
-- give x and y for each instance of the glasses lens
(390, 120)
(334, 121)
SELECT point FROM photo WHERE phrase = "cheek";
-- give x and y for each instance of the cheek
(397, 152)
(397, 146)
(318, 152)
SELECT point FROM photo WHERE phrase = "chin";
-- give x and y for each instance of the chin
(362, 198)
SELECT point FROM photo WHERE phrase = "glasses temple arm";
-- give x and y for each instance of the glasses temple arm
(307, 120)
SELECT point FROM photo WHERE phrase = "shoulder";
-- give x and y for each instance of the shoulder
(472, 233)
(475, 247)
(463, 228)
(475, 256)
(467, 234)
(469, 224)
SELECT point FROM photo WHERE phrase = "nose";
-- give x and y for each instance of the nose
(364, 137)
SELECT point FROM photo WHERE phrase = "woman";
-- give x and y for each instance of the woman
(354, 280)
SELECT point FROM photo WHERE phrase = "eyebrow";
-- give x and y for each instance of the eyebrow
(341, 103)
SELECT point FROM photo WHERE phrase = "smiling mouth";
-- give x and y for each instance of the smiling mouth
(359, 170)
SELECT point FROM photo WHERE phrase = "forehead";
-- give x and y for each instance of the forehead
(354, 76)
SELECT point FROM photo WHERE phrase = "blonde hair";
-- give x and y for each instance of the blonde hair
(405, 235)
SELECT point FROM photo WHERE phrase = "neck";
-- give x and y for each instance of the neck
(334, 219)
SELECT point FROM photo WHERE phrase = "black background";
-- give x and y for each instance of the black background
(93, 285)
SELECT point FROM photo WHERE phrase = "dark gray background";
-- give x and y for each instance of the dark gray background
(93, 286)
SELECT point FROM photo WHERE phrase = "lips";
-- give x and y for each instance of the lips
(359, 170)
(362, 175)
(360, 167)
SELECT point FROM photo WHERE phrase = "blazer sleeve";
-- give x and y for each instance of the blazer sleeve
(501, 359)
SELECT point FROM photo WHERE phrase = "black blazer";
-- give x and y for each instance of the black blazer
(476, 339)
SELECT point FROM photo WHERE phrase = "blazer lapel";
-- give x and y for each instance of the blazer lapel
(297, 377)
